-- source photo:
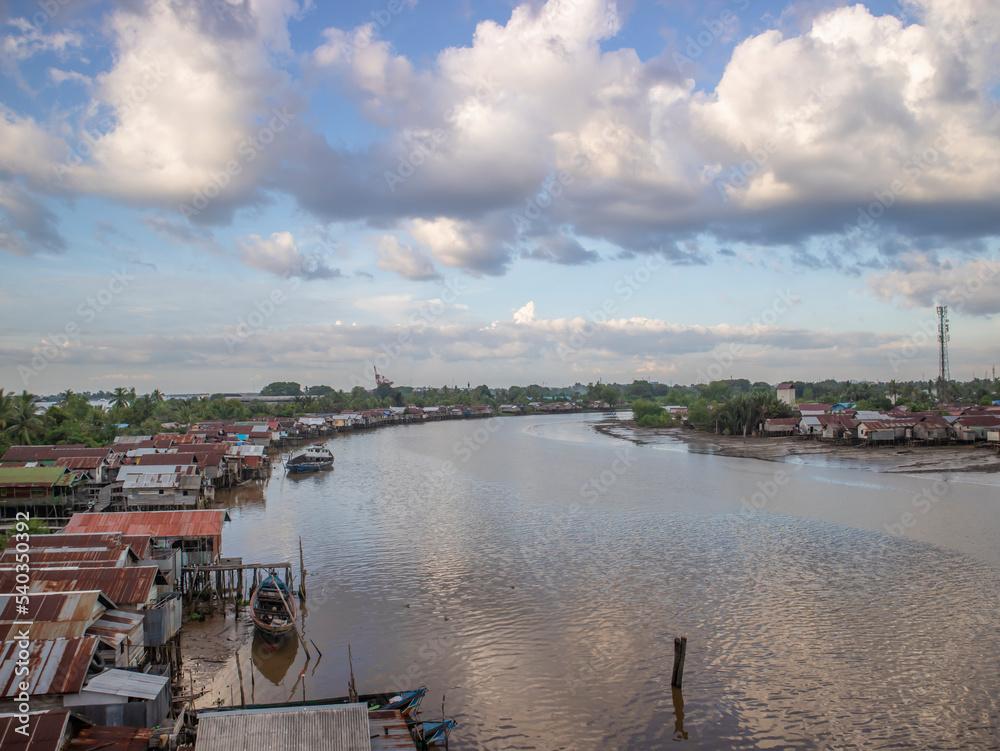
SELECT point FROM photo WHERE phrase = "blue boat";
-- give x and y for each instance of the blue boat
(273, 609)
(312, 459)
(431, 732)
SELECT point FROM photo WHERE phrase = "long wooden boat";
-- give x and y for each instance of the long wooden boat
(405, 702)
(273, 609)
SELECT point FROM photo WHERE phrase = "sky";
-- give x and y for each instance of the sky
(212, 195)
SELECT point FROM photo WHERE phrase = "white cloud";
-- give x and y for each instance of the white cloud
(924, 281)
(404, 259)
(280, 255)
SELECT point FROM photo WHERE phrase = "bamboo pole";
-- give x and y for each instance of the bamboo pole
(298, 633)
(302, 572)
(239, 671)
(680, 649)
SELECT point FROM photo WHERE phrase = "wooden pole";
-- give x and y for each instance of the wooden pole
(680, 649)
(302, 572)
(298, 633)
(239, 671)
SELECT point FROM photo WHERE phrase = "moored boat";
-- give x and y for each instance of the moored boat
(310, 459)
(273, 609)
(431, 732)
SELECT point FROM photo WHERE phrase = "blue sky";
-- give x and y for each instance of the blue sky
(204, 196)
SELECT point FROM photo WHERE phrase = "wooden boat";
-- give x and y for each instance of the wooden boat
(431, 732)
(273, 609)
(405, 702)
(311, 459)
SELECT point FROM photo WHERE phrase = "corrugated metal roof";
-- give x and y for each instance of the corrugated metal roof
(80, 462)
(62, 540)
(160, 480)
(130, 585)
(55, 666)
(114, 626)
(115, 556)
(60, 615)
(109, 738)
(341, 727)
(35, 477)
(46, 731)
(127, 683)
(193, 523)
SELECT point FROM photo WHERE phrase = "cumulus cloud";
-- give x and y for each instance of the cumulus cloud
(27, 226)
(924, 281)
(280, 255)
(406, 260)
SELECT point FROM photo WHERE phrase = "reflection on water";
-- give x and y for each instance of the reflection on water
(273, 660)
(547, 614)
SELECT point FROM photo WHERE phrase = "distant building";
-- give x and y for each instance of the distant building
(786, 393)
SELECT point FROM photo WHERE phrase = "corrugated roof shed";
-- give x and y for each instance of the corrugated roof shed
(80, 462)
(131, 585)
(55, 666)
(127, 683)
(158, 524)
(341, 727)
(161, 480)
(58, 615)
(46, 731)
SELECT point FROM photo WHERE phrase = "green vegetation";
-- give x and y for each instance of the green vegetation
(282, 388)
(649, 414)
(34, 527)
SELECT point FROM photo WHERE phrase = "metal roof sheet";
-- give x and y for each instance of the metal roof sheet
(115, 626)
(58, 615)
(193, 523)
(160, 480)
(110, 738)
(46, 731)
(55, 666)
(31, 476)
(341, 727)
(127, 683)
(114, 555)
(131, 585)
(80, 462)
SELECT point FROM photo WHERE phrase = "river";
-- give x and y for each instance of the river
(536, 573)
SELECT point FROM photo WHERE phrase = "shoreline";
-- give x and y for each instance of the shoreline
(895, 459)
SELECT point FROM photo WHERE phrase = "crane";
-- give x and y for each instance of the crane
(381, 380)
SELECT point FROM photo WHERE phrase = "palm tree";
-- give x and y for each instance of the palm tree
(893, 390)
(6, 407)
(23, 424)
(65, 396)
(156, 395)
(120, 398)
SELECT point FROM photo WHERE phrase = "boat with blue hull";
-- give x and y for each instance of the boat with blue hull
(311, 459)
(273, 609)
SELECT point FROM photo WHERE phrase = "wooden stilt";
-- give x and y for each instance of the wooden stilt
(680, 650)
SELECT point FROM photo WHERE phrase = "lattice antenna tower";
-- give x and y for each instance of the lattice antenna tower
(943, 338)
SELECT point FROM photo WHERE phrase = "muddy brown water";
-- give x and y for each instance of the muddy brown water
(535, 573)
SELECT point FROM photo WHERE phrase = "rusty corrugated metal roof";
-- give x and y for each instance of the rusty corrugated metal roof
(55, 666)
(109, 738)
(61, 615)
(46, 731)
(80, 462)
(131, 585)
(114, 626)
(158, 524)
(111, 555)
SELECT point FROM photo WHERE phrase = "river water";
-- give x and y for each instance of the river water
(535, 572)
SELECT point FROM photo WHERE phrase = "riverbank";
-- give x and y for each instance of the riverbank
(890, 459)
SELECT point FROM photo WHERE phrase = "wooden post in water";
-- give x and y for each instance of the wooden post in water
(239, 671)
(680, 649)
(302, 572)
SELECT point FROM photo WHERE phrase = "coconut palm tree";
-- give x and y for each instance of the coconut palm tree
(24, 424)
(6, 407)
(120, 398)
